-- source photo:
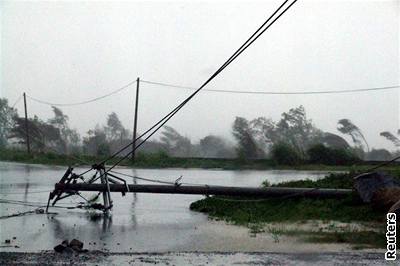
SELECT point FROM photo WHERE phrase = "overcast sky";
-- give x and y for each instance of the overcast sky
(73, 51)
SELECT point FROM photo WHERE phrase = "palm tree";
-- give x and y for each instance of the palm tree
(389, 136)
(345, 126)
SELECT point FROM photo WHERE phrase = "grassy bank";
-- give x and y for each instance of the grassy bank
(260, 214)
(157, 160)
(162, 160)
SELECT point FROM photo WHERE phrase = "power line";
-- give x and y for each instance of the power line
(17, 101)
(31, 204)
(83, 102)
(272, 92)
(152, 130)
(144, 179)
(23, 193)
(35, 211)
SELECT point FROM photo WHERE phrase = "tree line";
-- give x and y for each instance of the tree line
(295, 139)
(290, 140)
(56, 135)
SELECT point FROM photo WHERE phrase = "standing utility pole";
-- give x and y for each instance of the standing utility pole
(135, 121)
(28, 143)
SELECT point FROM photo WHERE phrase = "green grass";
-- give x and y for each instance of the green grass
(278, 210)
(162, 160)
(256, 213)
(333, 180)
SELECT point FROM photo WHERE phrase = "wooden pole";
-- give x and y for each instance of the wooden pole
(28, 143)
(268, 192)
(135, 120)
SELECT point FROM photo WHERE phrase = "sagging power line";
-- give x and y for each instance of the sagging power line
(169, 85)
(274, 92)
(83, 102)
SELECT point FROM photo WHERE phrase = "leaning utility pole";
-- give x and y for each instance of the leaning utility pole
(135, 121)
(28, 143)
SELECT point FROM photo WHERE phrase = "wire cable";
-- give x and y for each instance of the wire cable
(83, 102)
(35, 211)
(275, 93)
(23, 193)
(161, 181)
(35, 205)
(17, 101)
(165, 119)
(142, 178)
(26, 202)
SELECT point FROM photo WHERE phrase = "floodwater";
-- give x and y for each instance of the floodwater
(139, 222)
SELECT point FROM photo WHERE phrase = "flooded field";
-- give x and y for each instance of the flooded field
(139, 222)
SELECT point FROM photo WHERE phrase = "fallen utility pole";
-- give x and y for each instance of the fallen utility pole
(72, 184)
(268, 192)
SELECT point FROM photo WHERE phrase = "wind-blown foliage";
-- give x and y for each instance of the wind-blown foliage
(284, 154)
(289, 137)
(389, 136)
(294, 129)
(176, 144)
(41, 134)
(345, 126)
(95, 143)
(334, 141)
(379, 155)
(321, 154)
(247, 147)
(214, 147)
(7, 115)
(69, 138)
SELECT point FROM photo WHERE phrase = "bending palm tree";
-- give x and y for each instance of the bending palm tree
(345, 126)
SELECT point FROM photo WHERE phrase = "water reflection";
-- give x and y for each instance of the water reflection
(107, 223)
(134, 199)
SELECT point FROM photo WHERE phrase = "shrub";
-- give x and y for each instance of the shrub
(321, 154)
(333, 180)
(103, 149)
(284, 153)
(155, 158)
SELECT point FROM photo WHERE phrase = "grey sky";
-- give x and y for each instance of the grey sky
(73, 51)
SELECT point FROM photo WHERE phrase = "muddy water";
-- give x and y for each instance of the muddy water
(139, 222)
